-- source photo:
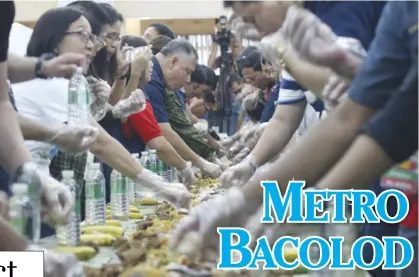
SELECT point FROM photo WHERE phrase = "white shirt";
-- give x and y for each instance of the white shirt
(43, 101)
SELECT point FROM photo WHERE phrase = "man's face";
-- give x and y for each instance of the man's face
(236, 88)
(150, 33)
(255, 78)
(178, 70)
(267, 16)
(195, 90)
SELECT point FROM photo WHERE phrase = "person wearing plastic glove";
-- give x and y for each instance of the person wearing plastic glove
(202, 127)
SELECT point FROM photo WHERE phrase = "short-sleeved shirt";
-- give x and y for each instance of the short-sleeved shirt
(155, 91)
(142, 124)
(353, 20)
(7, 15)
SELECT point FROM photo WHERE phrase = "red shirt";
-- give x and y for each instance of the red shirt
(144, 124)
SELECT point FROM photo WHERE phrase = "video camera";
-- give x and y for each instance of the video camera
(223, 36)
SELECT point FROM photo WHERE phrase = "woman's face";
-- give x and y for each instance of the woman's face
(113, 37)
(78, 39)
(150, 33)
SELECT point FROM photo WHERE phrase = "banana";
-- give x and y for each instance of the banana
(136, 216)
(113, 222)
(148, 201)
(290, 254)
(112, 230)
(83, 253)
(134, 209)
(102, 239)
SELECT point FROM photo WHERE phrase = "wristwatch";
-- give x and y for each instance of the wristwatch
(40, 63)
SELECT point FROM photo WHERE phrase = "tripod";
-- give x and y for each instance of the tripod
(224, 108)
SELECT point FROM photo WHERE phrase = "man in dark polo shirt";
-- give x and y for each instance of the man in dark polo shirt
(172, 68)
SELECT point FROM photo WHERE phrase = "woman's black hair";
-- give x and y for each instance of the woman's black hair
(234, 78)
(101, 67)
(163, 30)
(158, 43)
(50, 29)
(133, 41)
(93, 12)
(252, 60)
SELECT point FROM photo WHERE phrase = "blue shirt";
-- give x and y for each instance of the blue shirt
(388, 81)
(180, 93)
(269, 109)
(155, 91)
(356, 20)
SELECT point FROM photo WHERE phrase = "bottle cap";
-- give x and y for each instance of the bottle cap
(68, 173)
(95, 166)
(144, 153)
(134, 155)
(19, 188)
(153, 151)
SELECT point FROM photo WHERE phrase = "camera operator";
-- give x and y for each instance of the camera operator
(235, 46)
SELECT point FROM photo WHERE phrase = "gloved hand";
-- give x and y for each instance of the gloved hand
(252, 141)
(241, 155)
(74, 139)
(235, 149)
(218, 162)
(202, 127)
(229, 209)
(60, 264)
(176, 194)
(314, 41)
(134, 104)
(269, 48)
(245, 30)
(186, 175)
(227, 143)
(100, 91)
(239, 174)
(57, 199)
(335, 91)
(246, 91)
(209, 168)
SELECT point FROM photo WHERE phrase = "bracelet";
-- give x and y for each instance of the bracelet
(280, 51)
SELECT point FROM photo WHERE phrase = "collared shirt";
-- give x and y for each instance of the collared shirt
(354, 21)
(155, 91)
(269, 108)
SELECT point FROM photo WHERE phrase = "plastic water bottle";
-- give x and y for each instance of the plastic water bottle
(30, 176)
(20, 210)
(69, 234)
(119, 197)
(42, 160)
(142, 191)
(174, 175)
(154, 162)
(168, 172)
(131, 183)
(95, 192)
(78, 99)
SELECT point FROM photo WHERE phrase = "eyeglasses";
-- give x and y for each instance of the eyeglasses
(85, 36)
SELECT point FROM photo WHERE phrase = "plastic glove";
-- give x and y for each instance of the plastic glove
(74, 139)
(252, 141)
(226, 210)
(245, 30)
(134, 104)
(246, 91)
(202, 127)
(213, 170)
(174, 193)
(228, 142)
(186, 175)
(239, 174)
(242, 154)
(335, 91)
(60, 264)
(218, 162)
(100, 91)
(235, 149)
(269, 48)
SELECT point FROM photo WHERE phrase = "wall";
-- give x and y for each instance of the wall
(30, 10)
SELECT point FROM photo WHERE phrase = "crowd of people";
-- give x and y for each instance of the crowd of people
(329, 96)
